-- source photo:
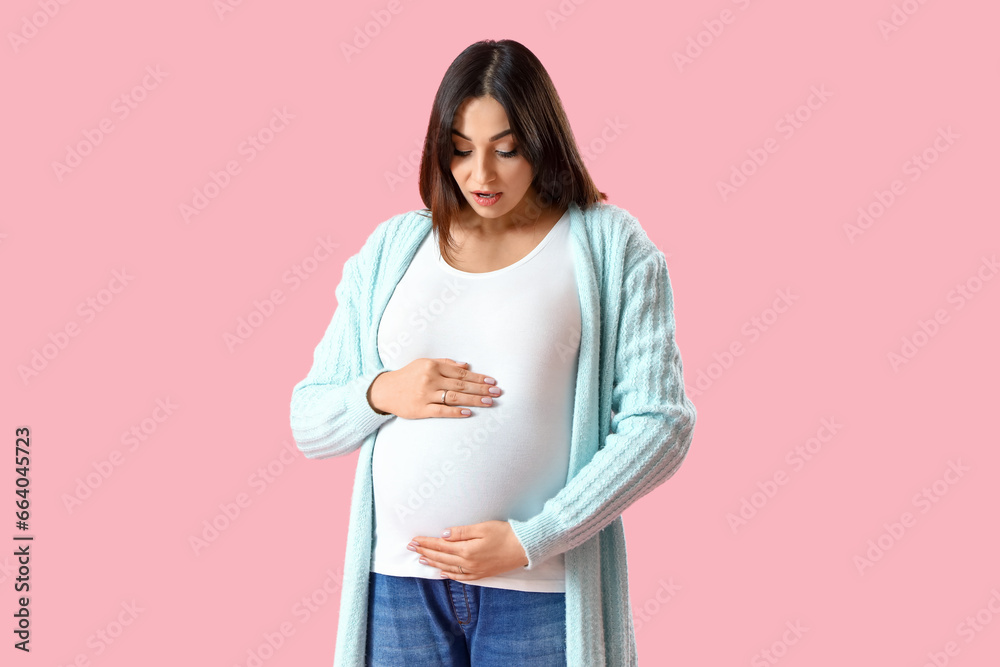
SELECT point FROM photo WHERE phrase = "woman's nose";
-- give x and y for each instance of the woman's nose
(483, 170)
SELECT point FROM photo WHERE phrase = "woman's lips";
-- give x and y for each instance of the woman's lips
(486, 200)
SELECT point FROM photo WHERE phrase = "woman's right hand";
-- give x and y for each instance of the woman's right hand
(414, 391)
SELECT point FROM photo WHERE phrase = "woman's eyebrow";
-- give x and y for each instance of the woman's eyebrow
(493, 138)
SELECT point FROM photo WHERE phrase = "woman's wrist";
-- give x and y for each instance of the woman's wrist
(369, 394)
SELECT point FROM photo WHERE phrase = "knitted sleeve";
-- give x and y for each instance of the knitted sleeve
(651, 429)
(330, 413)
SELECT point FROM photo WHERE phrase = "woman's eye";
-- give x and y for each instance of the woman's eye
(504, 154)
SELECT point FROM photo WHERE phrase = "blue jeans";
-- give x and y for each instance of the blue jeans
(447, 623)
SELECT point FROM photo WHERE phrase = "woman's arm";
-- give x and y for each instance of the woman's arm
(651, 429)
(330, 413)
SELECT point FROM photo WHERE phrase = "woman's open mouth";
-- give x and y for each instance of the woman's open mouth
(484, 198)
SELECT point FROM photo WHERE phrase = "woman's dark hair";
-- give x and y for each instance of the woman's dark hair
(507, 71)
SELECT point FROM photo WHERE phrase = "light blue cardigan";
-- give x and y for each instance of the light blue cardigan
(632, 422)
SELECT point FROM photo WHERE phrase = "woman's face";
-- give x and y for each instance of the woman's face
(487, 159)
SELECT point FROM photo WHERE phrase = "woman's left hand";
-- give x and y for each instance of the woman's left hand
(480, 549)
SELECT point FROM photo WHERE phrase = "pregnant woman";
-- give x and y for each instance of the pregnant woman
(504, 360)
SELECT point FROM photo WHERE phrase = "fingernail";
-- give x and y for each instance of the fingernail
(489, 381)
(446, 532)
(487, 400)
(494, 390)
(466, 412)
(411, 547)
(460, 362)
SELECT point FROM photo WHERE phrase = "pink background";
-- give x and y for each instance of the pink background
(704, 592)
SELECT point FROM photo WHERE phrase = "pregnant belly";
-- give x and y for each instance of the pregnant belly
(433, 473)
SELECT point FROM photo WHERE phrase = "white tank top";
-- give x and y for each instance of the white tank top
(519, 324)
